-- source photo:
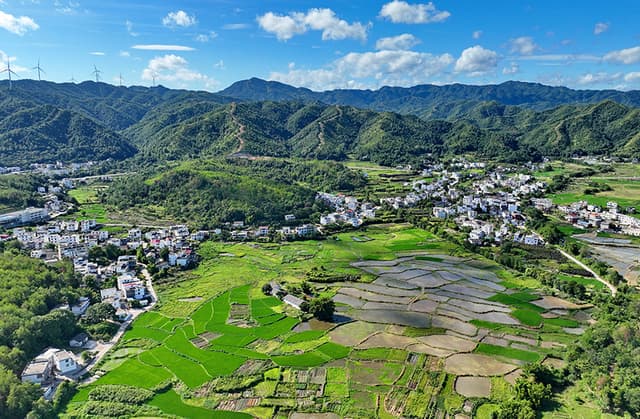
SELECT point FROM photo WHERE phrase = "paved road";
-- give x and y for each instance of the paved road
(104, 348)
(588, 269)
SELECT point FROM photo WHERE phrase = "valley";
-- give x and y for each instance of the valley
(298, 258)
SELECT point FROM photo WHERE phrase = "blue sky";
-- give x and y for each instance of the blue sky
(325, 44)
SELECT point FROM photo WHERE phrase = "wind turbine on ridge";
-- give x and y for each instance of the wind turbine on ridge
(120, 80)
(97, 73)
(39, 69)
(9, 72)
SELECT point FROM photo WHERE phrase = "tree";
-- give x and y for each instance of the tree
(266, 289)
(516, 409)
(322, 308)
(99, 312)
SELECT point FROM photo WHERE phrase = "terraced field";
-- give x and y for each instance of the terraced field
(421, 334)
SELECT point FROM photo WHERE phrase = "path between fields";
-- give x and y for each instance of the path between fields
(241, 129)
(104, 348)
(591, 271)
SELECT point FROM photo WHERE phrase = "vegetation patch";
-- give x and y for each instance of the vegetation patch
(513, 353)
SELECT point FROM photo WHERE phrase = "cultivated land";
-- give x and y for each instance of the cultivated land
(425, 329)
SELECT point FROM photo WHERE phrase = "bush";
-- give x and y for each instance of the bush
(120, 394)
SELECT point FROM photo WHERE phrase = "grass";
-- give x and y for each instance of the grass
(188, 371)
(587, 282)
(305, 360)
(171, 403)
(333, 350)
(513, 353)
(527, 317)
(518, 300)
(486, 411)
(134, 373)
(562, 322)
(305, 336)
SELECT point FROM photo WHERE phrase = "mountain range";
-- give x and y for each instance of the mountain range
(513, 121)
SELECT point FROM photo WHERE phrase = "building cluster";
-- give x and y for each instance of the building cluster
(48, 366)
(583, 215)
(49, 169)
(26, 216)
(347, 210)
(240, 232)
(486, 204)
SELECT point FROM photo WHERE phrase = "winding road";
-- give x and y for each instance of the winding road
(612, 288)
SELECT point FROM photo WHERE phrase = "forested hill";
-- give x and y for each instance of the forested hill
(318, 131)
(115, 107)
(45, 122)
(431, 101)
(31, 132)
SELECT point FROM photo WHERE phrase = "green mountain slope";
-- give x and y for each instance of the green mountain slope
(43, 133)
(210, 192)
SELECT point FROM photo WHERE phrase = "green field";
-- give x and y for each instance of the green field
(512, 353)
(199, 355)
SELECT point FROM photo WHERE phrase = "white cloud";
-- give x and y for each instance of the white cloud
(512, 69)
(400, 42)
(70, 8)
(523, 45)
(624, 56)
(399, 11)
(287, 26)
(97, 53)
(18, 25)
(600, 27)
(130, 31)
(124, 54)
(560, 57)
(284, 27)
(476, 34)
(4, 58)
(598, 78)
(370, 69)
(476, 61)
(174, 68)
(179, 18)
(632, 77)
(206, 37)
(219, 65)
(162, 47)
(235, 26)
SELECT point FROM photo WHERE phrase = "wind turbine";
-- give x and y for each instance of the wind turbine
(120, 80)
(9, 72)
(97, 73)
(153, 77)
(39, 69)
(72, 80)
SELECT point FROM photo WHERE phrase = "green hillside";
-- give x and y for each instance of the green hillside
(43, 133)
(210, 192)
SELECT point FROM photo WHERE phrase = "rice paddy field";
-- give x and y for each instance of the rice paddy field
(426, 331)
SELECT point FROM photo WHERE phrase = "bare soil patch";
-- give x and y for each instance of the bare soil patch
(452, 343)
(476, 364)
(473, 386)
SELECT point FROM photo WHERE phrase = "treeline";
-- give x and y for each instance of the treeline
(607, 355)
(19, 191)
(208, 193)
(29, 290)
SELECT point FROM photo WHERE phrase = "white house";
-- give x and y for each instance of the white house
(293, 301)
(64, 361)
(81, 306)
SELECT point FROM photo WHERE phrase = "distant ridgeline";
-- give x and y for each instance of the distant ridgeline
(513, 121)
